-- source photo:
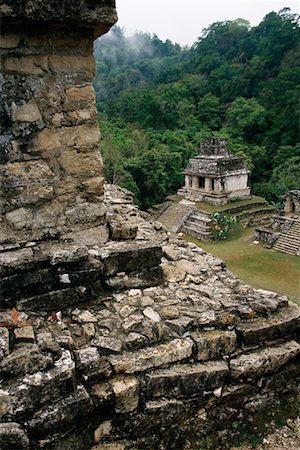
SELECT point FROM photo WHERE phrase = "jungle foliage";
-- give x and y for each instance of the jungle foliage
(157, 100)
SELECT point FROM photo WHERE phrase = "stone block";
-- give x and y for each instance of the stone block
(4, 342)
(102, 395)
(185, 379)
(9, 40)
(75, 64)
(129, 257)
(104, 429)
(122, 229)
(20, 259)
(27, 65)
(285, 322)
(29, 112)
(48, 139)
(81, 164)
(86, 212)
(13, 437)
(27, 173)
(58, 416)
(24, 334)
(24, 360)
(64, 253)
(214, 344)
(78, 95)
(94, 185)
(87, 359)
(107, 344)
(180, 325)
(126, 391)
(42, 387)
(54, 300)
(151, 357)
(264, 361)
(91, 236)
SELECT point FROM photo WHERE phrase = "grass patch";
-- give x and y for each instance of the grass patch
(254, 264)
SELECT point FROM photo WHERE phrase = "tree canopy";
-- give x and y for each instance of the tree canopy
(157, 100)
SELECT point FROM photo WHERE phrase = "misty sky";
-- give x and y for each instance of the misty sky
(182, 21)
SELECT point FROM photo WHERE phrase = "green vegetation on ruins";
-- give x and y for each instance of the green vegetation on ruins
(161, 99)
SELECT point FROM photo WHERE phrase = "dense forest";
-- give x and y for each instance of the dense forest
(156, 100)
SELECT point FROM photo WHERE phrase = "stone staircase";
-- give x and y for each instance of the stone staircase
(199, 225)
(289, 242)
(174, 216)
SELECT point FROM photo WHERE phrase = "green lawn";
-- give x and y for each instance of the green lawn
(256, 265)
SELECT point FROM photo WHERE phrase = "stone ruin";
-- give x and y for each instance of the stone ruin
(216, 176)
(114, 333)
(282, 233)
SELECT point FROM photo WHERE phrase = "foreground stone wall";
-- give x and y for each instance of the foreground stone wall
(51, 170)
(172, 351)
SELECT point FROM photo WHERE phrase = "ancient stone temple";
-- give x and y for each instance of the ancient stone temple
(216, 176)
(51, 169)
(114, 333)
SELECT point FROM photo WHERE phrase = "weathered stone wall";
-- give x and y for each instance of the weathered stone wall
(51, 170)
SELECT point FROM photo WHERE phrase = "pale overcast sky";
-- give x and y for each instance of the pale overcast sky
(182, 21)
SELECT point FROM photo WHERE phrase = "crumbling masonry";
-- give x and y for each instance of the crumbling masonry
(114, 333)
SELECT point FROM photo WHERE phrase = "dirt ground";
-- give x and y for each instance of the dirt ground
(287, 437)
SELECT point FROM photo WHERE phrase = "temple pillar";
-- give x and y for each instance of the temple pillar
(51, 169)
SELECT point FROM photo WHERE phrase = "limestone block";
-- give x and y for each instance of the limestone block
(189, 267)
(24, 360)
(263, 361)
(107, 344)
(43, 387)
(12, 436)
(214, 344)
(104, 429)
(27, 113)
(4, 342)
(152, 357)
(91, 236)
(126, 390)
(135, 341)
(94, 185)
(82, 115)
(123, 229)
(151, 314)
(59, 415)
(173, 274)
(129, 256)
(9, 40)
(29, 65)
(169, 312)
(102, 395)
(16, 260)
(180, 325)
(48, 139)
(68, 64)
(87, 359)
(24, 333)
(27, 173)
(79, 95)
(283, 323)
(81, 164)
(86, 212)
(48, 344)
(19, 218)
(80, 136)
(185, 379)
(64, 253)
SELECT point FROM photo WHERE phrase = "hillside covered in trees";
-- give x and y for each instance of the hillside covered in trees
(156, 100)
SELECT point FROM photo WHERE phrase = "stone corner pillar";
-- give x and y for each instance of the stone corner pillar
(51, 172)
